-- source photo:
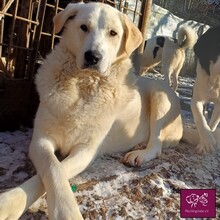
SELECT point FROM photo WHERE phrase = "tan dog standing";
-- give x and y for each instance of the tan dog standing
(170, 52)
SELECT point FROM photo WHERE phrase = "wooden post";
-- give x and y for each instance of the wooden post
(2, 4)
(12, 34)
(125, 7)
(34, 52)
(22, 40)
(145, 12)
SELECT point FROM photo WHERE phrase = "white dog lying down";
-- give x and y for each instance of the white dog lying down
(170, 52)
(207, 88)
(91, 103)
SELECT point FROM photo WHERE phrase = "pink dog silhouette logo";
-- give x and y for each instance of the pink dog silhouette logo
(198, 203)
(193, 199)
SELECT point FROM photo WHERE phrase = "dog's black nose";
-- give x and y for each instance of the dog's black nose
(92, 57)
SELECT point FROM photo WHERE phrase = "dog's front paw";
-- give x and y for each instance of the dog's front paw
(12, 204)
(138, 157)
(133, 158)
(67, 213)
(207, 144)
(64, 206)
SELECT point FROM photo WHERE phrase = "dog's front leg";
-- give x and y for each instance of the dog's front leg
(60, 199)
(167, 72)
(153, 149)
(15, 201)
(154, 145)
(207, 139)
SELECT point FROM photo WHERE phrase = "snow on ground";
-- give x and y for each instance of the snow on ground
(111, 190)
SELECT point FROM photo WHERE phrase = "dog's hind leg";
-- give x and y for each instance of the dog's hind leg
(171, 76)
(175, 75)
(162, 113)
(153, 149)
(167, 72)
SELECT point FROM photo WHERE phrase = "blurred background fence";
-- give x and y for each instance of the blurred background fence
(27, 36)
(203, 11)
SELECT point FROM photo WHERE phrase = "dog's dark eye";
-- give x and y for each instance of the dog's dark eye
(113, 33)
(84, 28)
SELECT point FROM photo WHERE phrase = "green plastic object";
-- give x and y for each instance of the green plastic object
(74, 187)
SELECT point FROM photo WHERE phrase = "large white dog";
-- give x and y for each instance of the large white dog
(91, 103)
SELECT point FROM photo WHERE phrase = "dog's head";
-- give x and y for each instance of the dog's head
(97, 35)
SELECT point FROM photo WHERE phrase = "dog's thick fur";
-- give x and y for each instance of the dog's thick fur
(91, 103)
(170, 52)
(207, 89)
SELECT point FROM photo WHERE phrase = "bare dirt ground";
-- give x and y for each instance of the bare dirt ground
(110, 190)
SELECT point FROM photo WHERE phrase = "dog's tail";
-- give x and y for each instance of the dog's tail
(191, 136)
(187, 37)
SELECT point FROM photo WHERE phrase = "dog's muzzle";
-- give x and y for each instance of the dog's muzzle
(92, 58)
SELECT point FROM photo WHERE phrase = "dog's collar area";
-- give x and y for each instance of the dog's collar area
(89, 68)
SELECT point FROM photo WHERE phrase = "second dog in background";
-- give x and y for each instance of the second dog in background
(207, 89)
(170, 52)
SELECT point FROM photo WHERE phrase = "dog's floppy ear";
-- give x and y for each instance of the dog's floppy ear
(61, 18)
(133, 36)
